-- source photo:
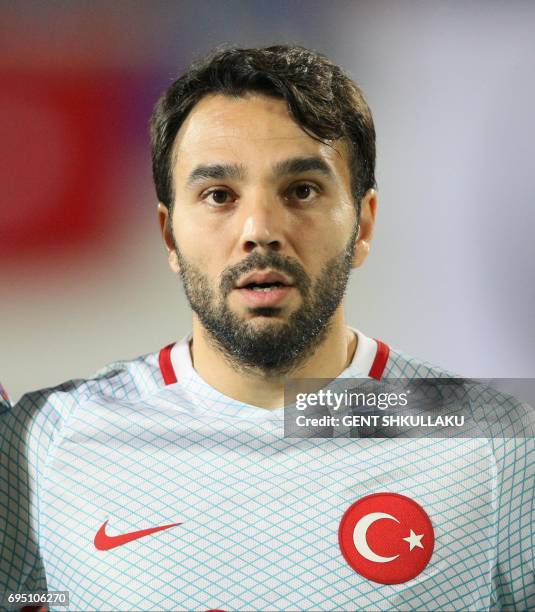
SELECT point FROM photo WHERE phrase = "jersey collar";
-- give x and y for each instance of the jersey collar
(369, 360)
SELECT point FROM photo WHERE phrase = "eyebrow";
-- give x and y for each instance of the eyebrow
(297, 165)
(215, 171)
(294, 165)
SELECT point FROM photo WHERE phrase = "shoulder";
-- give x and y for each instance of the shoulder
(124, 380)
(45, 410)
(401, 365)
(498, 414)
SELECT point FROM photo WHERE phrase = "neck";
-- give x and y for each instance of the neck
(328, 360)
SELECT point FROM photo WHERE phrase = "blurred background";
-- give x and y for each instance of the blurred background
(84, 277)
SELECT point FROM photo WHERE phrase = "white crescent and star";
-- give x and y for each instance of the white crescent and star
(359, 537)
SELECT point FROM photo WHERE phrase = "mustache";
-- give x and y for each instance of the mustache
(261, 261)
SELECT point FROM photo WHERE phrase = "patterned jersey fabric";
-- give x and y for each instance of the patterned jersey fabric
(249, 519)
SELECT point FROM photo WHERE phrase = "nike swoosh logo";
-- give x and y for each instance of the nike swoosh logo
(105, 542)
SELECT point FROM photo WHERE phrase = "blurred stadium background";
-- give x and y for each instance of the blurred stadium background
(83, 273)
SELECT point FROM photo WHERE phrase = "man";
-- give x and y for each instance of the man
(167, 483)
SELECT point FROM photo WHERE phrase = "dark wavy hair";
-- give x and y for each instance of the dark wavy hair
(322, 99)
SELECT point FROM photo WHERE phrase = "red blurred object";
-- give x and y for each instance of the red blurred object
(60, 133)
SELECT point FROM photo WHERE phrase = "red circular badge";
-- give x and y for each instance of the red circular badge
(386, 537)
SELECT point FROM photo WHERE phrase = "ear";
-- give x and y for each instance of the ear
(368, 209)
(166, 230)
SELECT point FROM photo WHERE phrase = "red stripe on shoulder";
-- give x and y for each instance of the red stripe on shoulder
(3, 394)
(379, 363)
(166, 365)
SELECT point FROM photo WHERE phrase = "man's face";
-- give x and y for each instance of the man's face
(263, 229)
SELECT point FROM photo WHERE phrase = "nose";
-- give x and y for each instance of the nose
(262, 225)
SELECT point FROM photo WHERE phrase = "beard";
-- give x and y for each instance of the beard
(275, 348)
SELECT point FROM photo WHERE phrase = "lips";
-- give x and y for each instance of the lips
(256, 279)
(265, 289)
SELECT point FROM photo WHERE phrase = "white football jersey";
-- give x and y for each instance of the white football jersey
(144, 488)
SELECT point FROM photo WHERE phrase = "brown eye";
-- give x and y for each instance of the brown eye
(303, 191)
(219, 196)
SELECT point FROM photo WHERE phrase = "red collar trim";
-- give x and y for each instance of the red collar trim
(166, 366)
(379, 362)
